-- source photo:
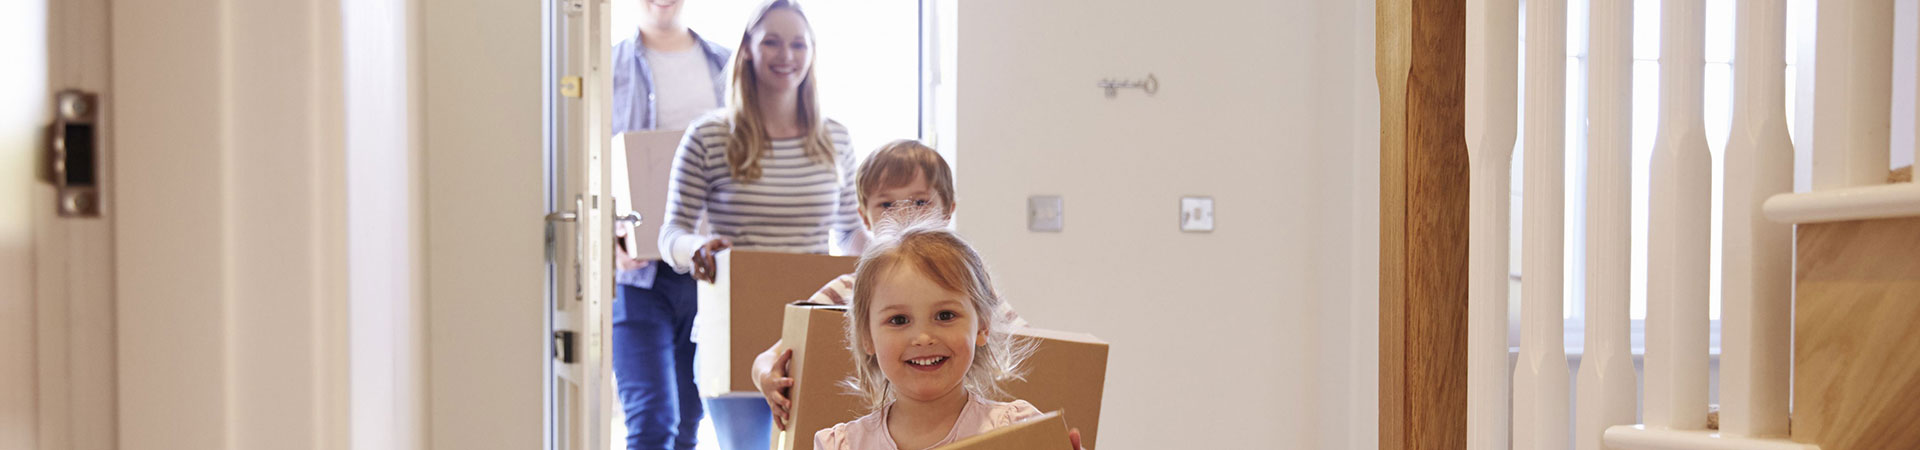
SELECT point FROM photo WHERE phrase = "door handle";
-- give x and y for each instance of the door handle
(579, 239)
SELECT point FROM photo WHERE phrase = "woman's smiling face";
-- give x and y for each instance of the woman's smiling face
(782, 50)
(923, 335)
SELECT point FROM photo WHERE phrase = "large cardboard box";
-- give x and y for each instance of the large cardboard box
(741, 312)
(1047, 432)
(821, 360)
(1067, 372)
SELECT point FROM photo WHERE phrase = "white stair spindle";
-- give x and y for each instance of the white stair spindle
(1540, 391)
(1606, 388)
(1757, 258)
(1493, 53)
(1853, 90)
(1677, 241)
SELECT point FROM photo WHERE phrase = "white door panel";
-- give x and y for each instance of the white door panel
(580, 222)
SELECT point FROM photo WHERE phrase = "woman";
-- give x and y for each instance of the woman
(769, 173)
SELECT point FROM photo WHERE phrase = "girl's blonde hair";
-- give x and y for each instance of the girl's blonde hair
(748, 142)
(924, 244)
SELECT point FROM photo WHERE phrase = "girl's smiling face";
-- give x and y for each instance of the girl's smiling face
(923, 335)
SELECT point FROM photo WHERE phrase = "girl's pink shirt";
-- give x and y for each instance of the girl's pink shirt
(870, 432)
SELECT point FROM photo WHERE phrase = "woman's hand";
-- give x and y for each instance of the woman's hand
(774, 384)
(1073, 435)
(703, 264)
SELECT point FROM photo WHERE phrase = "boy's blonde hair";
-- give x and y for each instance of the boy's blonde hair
(748, 142)
(897, 163)
(924, 244)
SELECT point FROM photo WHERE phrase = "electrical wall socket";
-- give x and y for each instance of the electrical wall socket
(1196, 214)
(1046, 213)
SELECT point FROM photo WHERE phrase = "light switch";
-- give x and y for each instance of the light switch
(1196, 214)
(1046, 213)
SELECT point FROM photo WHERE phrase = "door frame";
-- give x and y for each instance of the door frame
(72, 258)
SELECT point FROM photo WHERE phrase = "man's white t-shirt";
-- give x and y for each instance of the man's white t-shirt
(683, 86)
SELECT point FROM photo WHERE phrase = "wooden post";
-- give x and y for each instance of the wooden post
(1678, 228)
(1493, 66)
(1421, 67)
(1756, 292)
(1540, 374)
(1605, 395)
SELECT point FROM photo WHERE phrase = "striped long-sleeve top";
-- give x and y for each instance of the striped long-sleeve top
(799, 205)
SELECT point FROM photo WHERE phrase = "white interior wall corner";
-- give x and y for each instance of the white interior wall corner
(1033, 123)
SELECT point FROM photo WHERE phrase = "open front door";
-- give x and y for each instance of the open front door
(579, 225)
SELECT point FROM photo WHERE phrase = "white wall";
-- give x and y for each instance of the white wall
(481, 115)
(230, 321)
(1247, 337)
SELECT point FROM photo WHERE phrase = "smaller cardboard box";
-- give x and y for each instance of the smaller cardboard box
(1068, 373)
(1047, 432)
(741, 312)
(648, 157)
(817, 334)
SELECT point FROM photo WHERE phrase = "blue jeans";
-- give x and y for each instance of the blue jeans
(653, 361)
(742, 422)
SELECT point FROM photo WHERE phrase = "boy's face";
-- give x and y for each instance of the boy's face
(902, 200)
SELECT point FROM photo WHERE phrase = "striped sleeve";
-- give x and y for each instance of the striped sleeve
(849, 238)
(686, 200)
(836, 292)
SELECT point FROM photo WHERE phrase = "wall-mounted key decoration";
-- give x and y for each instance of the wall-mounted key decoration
(1150, 84)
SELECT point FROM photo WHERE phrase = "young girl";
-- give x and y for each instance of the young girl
(928, 361)
(904, 179)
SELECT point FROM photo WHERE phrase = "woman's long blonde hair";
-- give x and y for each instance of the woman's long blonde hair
(923, 244)
(748, 142)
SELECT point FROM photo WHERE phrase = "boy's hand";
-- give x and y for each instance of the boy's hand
(703, 264)
(774, 384)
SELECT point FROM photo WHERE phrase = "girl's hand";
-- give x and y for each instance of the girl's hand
(774, 385)
(1073, 435)
(703, 264)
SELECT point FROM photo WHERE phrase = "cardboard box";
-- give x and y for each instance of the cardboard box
(821, 360)
(649, 159)
(741, 313)
(1067, 372)
(1047, 432)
